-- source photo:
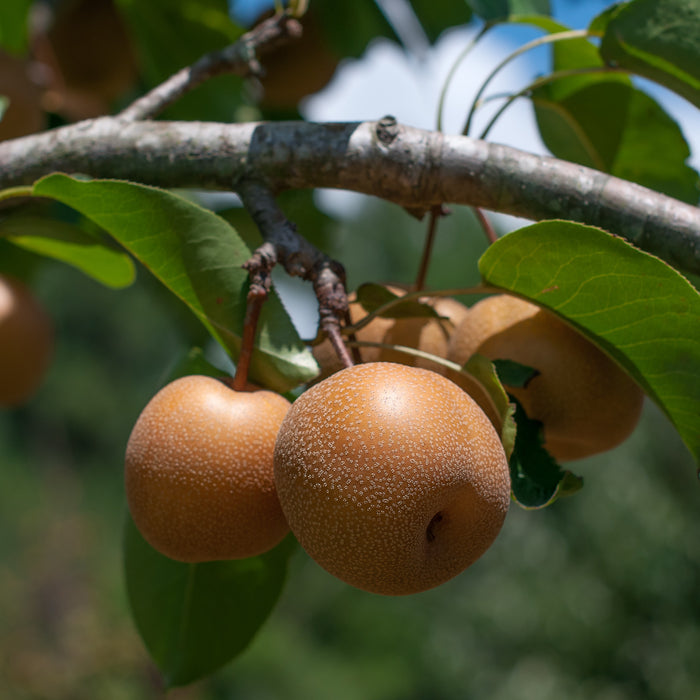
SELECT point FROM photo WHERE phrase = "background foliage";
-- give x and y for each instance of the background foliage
(594, 597)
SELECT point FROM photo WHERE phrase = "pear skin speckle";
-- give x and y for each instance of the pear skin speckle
(391, 477)
(199, 471)
(586, 403)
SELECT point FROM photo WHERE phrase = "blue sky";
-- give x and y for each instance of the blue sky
(385, 80)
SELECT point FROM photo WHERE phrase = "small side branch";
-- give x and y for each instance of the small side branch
(260, 270)
(240, 58)
(489, 231)
(284, 245)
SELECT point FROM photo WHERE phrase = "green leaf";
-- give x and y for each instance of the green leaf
(514, 374)
(602, 121)
(484, 371)
(653, 151)
(536, 479)
(660, 40)
(194, 618)
(13, 25)
(620, 130)
(600, 22)
(502, 10)
(194, 362)
(635, 307)
(69, 244)
(4, 104)
(172, 34)
(198, 256)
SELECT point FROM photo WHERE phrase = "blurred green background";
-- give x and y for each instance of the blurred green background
(594, 598)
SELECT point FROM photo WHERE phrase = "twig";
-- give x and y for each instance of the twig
(285, 246)
(260, 270)
(240, 58)
(436, 213)
(489, 230)
(547, 39)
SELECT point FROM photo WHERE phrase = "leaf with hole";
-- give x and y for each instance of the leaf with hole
(536, 479)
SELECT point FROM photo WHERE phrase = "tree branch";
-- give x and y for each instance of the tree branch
(284, 245)
(411, 167)
(241, 58)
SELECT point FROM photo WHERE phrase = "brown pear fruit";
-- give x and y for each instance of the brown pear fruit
(199, 471)
(430, 335)
(585, 401)
(26, 342)
(391, 477)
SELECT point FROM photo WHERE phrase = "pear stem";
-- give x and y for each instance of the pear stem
(285, 245)
(260, 270)
(436, 213)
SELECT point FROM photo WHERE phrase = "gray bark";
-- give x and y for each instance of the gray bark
(414, 168)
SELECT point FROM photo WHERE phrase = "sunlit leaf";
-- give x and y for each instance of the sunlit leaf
(198, 256)
(657, 39)
(635, 307)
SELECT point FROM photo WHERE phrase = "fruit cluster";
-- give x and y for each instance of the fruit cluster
(391, 476)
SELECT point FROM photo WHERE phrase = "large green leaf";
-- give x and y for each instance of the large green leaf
(198, 256)
(13, 25)
(639, 310)
(603, 122)
(657, 39)
(194, 618)
(69, 244)
(620, 130)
